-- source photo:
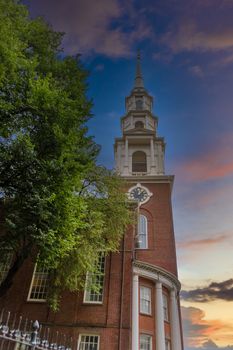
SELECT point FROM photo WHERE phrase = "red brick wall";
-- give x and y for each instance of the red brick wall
(161, 243)
(75, 317)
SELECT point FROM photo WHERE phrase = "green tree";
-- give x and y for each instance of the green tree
(56, 202)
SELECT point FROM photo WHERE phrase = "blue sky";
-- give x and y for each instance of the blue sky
(187, 62)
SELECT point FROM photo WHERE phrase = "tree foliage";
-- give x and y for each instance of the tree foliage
(57, 203)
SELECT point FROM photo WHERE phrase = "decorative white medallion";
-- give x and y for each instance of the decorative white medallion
(139, 193)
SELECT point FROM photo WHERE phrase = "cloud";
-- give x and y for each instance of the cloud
(207, 167)
(200, 333)
(199, 243)
(165, 57)
(195, 328)
(102, 27)
(114, 27)
(201, 27)
(197, 71)
(215, 290)
(211, 345)
(225, 60)
(190, 37)
(214, 163)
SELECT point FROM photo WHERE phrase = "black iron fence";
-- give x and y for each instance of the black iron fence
(18, 333)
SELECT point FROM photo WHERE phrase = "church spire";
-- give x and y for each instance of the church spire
(138, 78)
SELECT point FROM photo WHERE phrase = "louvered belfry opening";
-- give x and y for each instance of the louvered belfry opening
(139, 125)
(139, 162)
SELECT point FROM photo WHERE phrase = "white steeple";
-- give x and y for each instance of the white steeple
(139, 151)
(139, 99)
(138, 78)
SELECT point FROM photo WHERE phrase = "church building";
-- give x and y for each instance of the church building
(137, 304)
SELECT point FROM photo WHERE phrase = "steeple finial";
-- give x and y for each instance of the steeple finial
(138, 78)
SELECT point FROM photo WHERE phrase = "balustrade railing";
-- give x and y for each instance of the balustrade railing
(139, 173)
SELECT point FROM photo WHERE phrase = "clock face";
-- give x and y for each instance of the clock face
(139, 194)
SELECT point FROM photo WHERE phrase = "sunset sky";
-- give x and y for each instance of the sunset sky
(187, 63)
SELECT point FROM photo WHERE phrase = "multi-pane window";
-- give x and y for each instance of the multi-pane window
(145, 300)
(39, 285)
(5, 264)
(139, 162)
(145, 342)
(167, 344)
(165, 307)
(142, 232)
(88, 342)
(95, 283)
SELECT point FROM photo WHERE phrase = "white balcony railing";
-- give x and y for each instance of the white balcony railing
(139, 173)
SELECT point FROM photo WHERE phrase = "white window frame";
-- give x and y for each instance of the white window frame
(142, 289)
(36, 271)
(167, 344)
(150, 340)
(165, 307)
(142, 231)
(6, 265)
(87, 335)
(140, 163)
(89, 278)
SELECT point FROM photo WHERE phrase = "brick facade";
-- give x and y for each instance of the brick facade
(111, 319)
(153, 266)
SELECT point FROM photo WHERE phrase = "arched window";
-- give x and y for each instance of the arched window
(139, 125)
(142, 232)
(139, 162)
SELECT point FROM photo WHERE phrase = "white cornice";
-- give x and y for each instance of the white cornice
(150, 179)
(156, 273)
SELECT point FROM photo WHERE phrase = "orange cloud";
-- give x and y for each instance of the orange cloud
(198, 331)
(204, 242)
(207, 168)
(212, 195)
(212, 164)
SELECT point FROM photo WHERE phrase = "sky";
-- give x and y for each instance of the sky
(187, 63)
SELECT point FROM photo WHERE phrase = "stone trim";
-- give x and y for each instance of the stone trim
(150, 179)
(156, 272)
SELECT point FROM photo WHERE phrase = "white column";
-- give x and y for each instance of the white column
(131, 122)
(159, 317)
(126, 154)
(118, 158)
(175, 322)
(152, 153)
(135, 314)
(160, 167)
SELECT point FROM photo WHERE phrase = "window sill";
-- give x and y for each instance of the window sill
(144, 314)
(91, 303)
(36, 301)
